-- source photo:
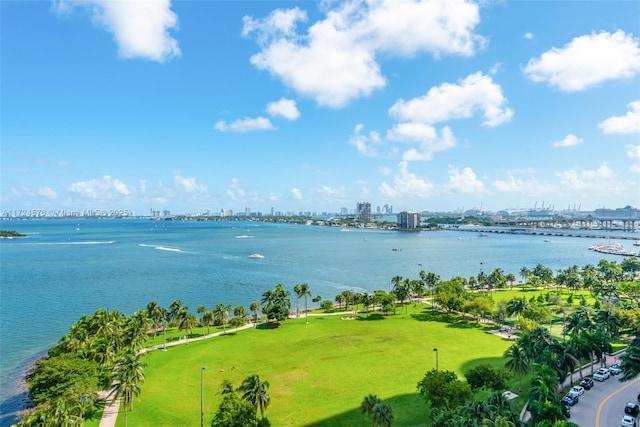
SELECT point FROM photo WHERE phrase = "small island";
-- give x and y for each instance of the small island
(4, 234)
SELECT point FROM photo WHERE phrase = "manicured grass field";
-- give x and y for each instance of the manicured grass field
(319, 372)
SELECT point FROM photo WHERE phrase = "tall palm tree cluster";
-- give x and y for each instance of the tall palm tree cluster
(551, 361)
(106, 343)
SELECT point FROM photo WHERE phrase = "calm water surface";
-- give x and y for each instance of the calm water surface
(68, 268)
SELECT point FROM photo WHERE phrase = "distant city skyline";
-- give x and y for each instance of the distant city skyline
(298, 106)
(363, 211)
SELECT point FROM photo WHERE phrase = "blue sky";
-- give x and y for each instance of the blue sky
(313, 106)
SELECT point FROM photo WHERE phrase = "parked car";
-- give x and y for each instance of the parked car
(571, 399)
(632, 409)
(629, 421)
(587, 383)
(615, 369)
(601, 374)
(579, 390)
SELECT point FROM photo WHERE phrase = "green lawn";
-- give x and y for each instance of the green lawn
(319, 372)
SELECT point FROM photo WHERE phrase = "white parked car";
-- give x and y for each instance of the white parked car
(629, 421)
(579, 390)
(601, 374)
(615, 369)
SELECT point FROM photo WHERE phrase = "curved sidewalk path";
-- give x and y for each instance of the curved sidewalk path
(112, 406)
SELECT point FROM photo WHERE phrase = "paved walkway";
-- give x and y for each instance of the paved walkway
(112, 406)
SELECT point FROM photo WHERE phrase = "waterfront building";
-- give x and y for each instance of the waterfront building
(363, 211)
(408, 220)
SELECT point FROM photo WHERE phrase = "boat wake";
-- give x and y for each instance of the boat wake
(161, 248)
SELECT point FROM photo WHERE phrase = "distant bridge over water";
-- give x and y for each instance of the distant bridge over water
(624, 219)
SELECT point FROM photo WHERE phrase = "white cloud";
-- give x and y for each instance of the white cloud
(140, 28)
(633, 152)
(335, 60)
(188, 185)
(464, 181)
(594, 179)
(407, 183)
(476, 92)
(283, 108)
(587, 61)
(426, 137)
(627, 124)
(528, 35)
(296, 194)
(366, 145)
(246, 124)
(105, 188)
(385, 171)
(568, 141)
(47, 192)
(235, 190)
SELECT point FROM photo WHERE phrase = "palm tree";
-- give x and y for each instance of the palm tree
(276, 303)
(430, 280)
(135, 330)
(221, 315)
(347, 297)
(525, 273)
(395, 280)
(240, 312)
(201, 311)
(511, 278)
(382, 414)
(367, 405)
(631, 360)
(608, 322)
(565, 362)
(417, 288)
(306, 292)
(157, 316)
(298, 291)
(175, 309)
(186, 322)
(207, 319)
(401, 290)
(255, 307)
(497, 278)
(256, 392)
(129, 374)
(516, 306)
(517, 362)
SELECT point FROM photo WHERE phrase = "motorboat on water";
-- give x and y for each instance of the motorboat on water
(256, 256)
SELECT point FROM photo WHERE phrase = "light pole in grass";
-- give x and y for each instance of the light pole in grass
(202, 396)
(436, 350)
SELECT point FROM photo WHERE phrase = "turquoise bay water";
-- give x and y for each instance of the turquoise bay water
(65, 269)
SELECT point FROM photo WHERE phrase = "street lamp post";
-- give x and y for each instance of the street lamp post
(436, 350)
(202, 396)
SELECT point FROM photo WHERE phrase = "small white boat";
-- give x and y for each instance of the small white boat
(256, 256)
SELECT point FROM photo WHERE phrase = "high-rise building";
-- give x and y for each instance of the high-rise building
(363, 211)
(408, 220)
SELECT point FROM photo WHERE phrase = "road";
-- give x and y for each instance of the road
(603, 405)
